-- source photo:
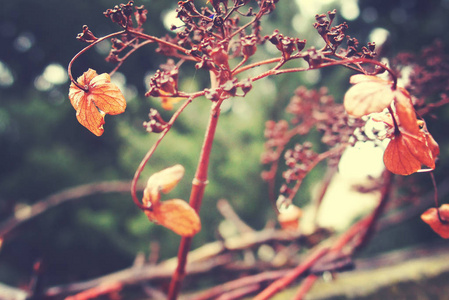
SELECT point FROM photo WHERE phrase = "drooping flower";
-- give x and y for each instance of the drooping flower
(98, 98)
(411, 145)
(175, 214)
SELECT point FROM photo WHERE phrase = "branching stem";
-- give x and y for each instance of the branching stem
(196, 196)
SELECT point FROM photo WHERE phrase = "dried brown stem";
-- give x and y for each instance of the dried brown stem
(29, 212)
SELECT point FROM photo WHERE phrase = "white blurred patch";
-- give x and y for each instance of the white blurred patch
(6, 78)
(55, 74)
(342, 204)
(24, 42)
(378, 35)
(169, 18)
(350, 9)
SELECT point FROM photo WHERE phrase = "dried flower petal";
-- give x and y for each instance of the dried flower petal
(406, 112)
(176, 215)
(99, 98)
(368, 95)
(406, 153)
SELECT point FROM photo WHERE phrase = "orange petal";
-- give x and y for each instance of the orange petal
(166, 179)
(432, 144)
(405, 111)
(106, 95)
(87, 77)
(176, 215)
(100, 97)
(405, 154)
(369, 94)
(87, 113)
(430, 216)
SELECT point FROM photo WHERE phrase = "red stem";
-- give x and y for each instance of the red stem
(305, 287)
(69, 67)
(281, 283)
(153, 148)
(198, 186)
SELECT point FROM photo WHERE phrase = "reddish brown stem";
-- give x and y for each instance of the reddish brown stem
(328, 64)
(69, 67)
(281, 283)
(198, 186)
(152, 149)
(435, 197)
(305, 287)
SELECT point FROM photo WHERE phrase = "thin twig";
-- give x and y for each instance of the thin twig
(27, 213)
(152, 150)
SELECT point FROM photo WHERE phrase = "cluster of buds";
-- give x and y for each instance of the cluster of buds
(87, 35)
(353, 51)
(229, 89)
(298, 161)
(164, 83)
(121, 14)
(156, 124)
(287, 45)
(274, 133)
(333, 36)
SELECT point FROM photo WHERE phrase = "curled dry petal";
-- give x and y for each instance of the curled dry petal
(176, 215)
(406, 153)
(368, 95)
(100, 97)
(430, 216)
(164, 181)
(406, 112)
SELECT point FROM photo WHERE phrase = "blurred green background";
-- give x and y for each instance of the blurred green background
(44, 150)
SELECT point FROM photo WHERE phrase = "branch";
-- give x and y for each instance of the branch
(26, 213)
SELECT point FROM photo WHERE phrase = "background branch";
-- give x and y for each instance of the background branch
(26, 213)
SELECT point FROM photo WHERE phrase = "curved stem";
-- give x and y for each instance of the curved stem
(323, 65)
(122, 59)
(69, 67)
(245, 58)
(150, 153)
(434, 183)
(163, 42)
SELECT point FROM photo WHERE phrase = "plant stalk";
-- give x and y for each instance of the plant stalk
(196, 196)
